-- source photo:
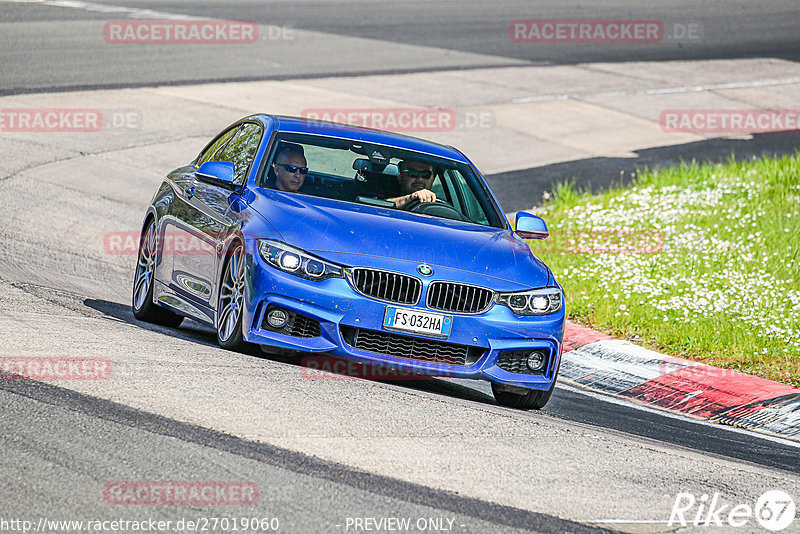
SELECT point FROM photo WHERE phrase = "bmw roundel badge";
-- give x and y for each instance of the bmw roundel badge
(425, 270)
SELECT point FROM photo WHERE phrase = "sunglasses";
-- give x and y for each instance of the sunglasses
(293, 168)
(418, 174)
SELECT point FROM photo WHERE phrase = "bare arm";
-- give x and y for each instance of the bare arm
(423, 195)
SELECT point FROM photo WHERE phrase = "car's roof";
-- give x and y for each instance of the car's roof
(367, 135)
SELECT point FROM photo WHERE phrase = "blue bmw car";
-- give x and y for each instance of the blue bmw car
(371, 246)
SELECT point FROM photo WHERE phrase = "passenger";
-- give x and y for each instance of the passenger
(414, 181)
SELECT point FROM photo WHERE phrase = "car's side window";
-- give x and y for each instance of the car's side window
(241, 150)
(215, 147)
(448, 191)
(438, 188)
(471, 207)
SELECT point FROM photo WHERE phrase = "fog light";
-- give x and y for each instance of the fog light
(535, 361)
(277, 318)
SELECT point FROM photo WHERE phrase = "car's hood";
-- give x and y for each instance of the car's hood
(342, 228)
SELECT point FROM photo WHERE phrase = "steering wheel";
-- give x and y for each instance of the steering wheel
(439, 208)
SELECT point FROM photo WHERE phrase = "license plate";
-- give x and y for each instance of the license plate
(418, 322)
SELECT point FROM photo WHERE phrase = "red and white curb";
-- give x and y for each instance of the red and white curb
(617, 367)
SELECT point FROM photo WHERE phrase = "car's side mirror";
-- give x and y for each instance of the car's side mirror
(530, 226)
(217, 173)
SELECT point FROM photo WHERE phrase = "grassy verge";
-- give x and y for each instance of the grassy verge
(698, 261)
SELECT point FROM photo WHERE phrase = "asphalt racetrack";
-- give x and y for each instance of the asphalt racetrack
(339, 455)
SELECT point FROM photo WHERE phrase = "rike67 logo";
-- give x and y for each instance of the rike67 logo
(774, 511)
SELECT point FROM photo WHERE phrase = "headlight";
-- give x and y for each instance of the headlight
(295, 261)
(533, 302)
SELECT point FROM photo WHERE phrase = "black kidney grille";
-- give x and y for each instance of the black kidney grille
(386, 285)
(400, 346)
(459, 298)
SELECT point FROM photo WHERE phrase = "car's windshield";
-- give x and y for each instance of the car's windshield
(378, 175)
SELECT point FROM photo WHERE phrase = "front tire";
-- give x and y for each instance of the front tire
(231, 302)
(532, 399)
(142, 298)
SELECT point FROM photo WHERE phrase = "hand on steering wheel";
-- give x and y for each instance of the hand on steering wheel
(423, 195)
(415, 203)
(438, 208)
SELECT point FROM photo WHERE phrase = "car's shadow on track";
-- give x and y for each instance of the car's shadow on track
(189, 330)
(442, 386)
(333, 368)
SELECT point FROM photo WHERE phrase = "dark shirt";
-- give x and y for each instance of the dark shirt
(377, 185)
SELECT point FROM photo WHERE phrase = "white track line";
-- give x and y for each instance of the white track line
(664, 90)
(92, 7)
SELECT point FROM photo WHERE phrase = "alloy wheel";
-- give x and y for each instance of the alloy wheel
(231, 295)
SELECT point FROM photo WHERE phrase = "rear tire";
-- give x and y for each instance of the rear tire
(142, 303)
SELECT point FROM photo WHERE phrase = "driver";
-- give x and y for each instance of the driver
(288, 172)
(415, 180)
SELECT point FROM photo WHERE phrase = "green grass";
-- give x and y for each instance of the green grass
(698, 261)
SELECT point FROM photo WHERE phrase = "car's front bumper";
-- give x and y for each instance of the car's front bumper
(339, 309)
